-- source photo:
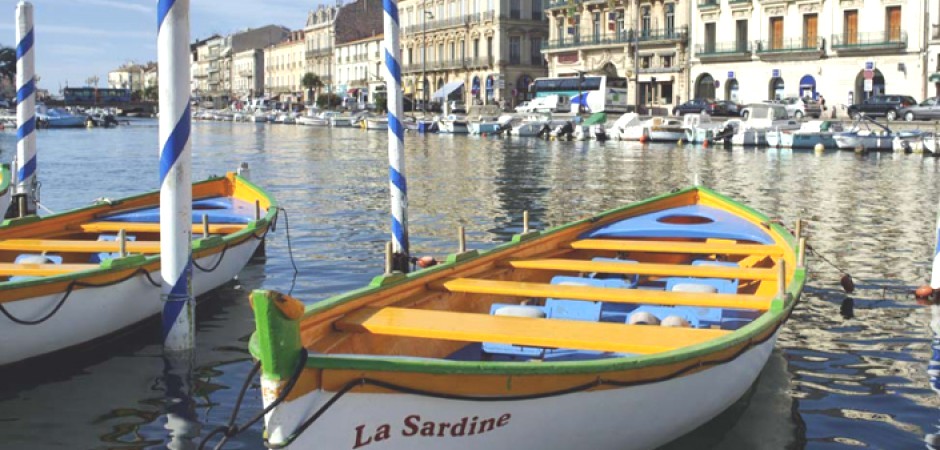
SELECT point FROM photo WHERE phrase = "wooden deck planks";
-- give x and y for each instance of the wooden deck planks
(591, 293)
(702, 271)
(701, 248)
(469, 327)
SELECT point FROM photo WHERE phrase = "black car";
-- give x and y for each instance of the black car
(886, 106)
(730, 108)
(699, 105)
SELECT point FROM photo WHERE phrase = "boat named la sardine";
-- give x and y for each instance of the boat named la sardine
(583, 336)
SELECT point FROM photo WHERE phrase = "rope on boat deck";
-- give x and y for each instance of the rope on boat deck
(751, 343)
(290, 249)
(68, 292)
(231, 429)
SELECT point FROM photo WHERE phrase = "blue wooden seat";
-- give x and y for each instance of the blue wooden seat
(509, 349)
(632, 279)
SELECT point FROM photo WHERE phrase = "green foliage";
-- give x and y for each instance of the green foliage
(8, 62)
(311, 81)
(328, 100)
(381, 102)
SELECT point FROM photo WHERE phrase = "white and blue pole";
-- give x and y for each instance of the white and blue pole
(25, 179)
(176, 196)
(396, 138)
(933, 367)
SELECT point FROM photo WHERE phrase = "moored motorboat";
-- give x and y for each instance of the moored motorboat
(810, 134)
(581, 336)
(538, 124)
(69, 279)
(699, 128)
(58, 118)
(664, 129)
(342, 121)
(627, 127)
(453, 124)
(872, 140)
(317, 120)
(375, 123)
(761, 119)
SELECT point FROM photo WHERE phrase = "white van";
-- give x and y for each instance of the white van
(550, 103)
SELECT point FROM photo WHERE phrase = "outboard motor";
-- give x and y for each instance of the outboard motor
(599, 133)
(725, 135)
(566, 130)
(544, 132)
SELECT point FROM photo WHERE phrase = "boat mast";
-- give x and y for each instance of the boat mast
(24, 196)
(396, 139)
(176, 194)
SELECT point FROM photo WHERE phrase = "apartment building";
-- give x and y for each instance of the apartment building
(644, 41)
(485, 51)
(847, 50)
(319, 35)
(285, 64)
(248, 73)
(358, 52)
(135, 77)
(213, 71)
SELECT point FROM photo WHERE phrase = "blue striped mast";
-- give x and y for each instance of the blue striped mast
(396, 138)
(25, 163)
(933, 367)
(176, 196)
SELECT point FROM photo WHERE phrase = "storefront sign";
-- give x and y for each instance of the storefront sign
(568, 58)
(775, 73)
(730, 75)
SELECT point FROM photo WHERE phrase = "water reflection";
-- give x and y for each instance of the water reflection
(841, 376)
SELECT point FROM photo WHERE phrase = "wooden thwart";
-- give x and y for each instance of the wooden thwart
(154, 227)
(613, 295)
(469, 327)
(77, 246)
(702, 271)
(42, 270)
(701, 248)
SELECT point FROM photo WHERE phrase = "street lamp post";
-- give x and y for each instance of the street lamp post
(424, 56)
(636, 58)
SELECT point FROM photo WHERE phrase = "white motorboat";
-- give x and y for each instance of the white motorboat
(664, 129)
(341, 121)
(808, 135)
(485, 119)
(454, 124)
(700, 128)
(58, 118)
(318, 120)
(761, 119)
(881, 138)
(626, 127)
(536, 125)
(376, 123)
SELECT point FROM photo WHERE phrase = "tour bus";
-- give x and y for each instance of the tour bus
(602, 93)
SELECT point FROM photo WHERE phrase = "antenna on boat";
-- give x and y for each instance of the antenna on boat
(396, 139)
(176, 200)
(25, 167)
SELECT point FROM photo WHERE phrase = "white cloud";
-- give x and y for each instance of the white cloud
(87, 31)
(122, 4)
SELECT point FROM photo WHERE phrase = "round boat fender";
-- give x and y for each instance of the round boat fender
(643, 318)
(533, 312)
(675, 321)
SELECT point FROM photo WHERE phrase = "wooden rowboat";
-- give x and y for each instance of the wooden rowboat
(64, 281)
(551, 341)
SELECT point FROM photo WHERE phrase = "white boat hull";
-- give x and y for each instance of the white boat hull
(91, 313)
(341, 122)
(629, 418)
(313, 121)
(373, 124)
(453, 127)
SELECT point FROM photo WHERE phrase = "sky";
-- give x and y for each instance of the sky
(78, 39)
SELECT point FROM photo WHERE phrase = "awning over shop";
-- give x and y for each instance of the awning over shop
(934, 77)
(447, 89)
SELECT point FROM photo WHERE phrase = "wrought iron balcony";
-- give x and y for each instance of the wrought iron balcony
(552, 4)
(315, 53)
(663, 34)
(723, 49)
(708, 4)
(896, 39)
(792, 45)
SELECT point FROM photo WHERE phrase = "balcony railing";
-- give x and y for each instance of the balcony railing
(325, 51)
(792, 45)
(550, 4)
(876, 39)
(708, 4)
(438, 24)
(662, 34)
(723, 49)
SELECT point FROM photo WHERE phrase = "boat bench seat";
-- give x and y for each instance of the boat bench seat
(601, 294)
(701, 248)
(523, 331)
(41, 270)
(78, 246)
(153, 227)
(699, 269)
(108, 237)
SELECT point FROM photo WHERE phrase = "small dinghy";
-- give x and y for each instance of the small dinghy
(624, 330)
(71, 278)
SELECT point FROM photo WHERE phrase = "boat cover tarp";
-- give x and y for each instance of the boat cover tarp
(447, 89)
(596, 118)
(695, 222)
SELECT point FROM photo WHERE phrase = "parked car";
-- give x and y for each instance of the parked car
(800, 107)
(697, 106)
(887, 106)
(926, 110)
(732, 109)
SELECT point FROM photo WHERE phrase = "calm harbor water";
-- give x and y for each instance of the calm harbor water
(841, 377)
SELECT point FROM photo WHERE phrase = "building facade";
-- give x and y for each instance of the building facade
(644, 41)
(319, 35)
(357, 57)
(847, 50)
(213, 70)
(492, 47)
(285, 64)
(248, 73)
(135, 77)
